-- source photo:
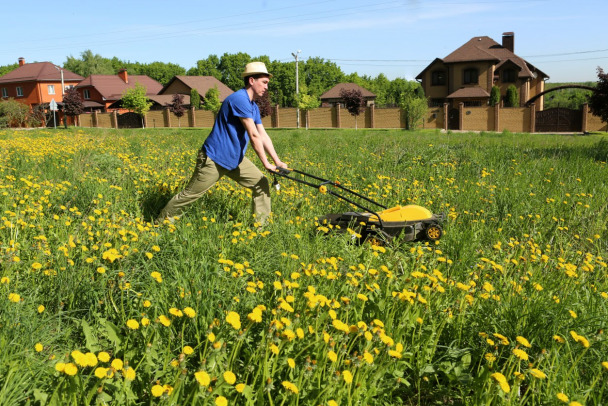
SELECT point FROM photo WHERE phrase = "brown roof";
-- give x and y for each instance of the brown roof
(469, 92)
(202, 84)
(486, 49)
(40, 72)
(165, 99)
(111, 87)
(334, 92)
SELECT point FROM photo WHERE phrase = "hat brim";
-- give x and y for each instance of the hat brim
(246, 74)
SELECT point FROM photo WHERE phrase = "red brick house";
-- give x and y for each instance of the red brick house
(332, 97)
(100, 91)
(37, 83)
(468, 74)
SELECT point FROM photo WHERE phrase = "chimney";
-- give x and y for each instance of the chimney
(508, 41)
(21, 61)
(123, 75)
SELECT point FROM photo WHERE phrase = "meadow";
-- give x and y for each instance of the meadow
(100, 305)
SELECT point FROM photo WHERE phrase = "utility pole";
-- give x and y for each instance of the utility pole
(65, 123)
(295, 55)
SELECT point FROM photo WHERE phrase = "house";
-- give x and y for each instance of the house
(99, 92)
(202, 84)
(468, 74)
(332, 97)
(37, 83)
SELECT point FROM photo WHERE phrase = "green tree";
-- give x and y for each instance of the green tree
(306, 103)
(136, 100)
(207, 67)
(320, 75)
(231, 67)
(195, 99)
(162, 72)
(212, 100)
(8, 68)
(512, 97)
(13, 113)
(598, 102)
(282, 86)
(414, 105)
(494, 96)
(89, 64)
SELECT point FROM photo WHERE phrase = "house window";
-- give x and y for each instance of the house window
(471, 76)
(4, 92)
(51, 89)
(438, 78)
(473, 103)
(19, 91)
(86, 94)
(436, 102)
(509, 76)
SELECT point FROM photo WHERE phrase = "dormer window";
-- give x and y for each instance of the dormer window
(438, 78)
(86, 94)
(509, 76)
(470, 76)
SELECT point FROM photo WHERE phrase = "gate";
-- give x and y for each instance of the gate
(559, 120)
(454, 119)
(129, 120)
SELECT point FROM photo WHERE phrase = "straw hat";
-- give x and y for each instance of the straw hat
(255, 68)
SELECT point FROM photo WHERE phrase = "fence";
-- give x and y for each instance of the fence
(484, 118)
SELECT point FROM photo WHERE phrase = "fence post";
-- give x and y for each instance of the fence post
(532, 118)
(497, 117)
(145, 120)
(191, 117)
(275, 122)
(115, 119)
(338, 121)
(446, 117)
(460, 115)
(95, 119)
(372, 112)
(585, 116)
(167, 117)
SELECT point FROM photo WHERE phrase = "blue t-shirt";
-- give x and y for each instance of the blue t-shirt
(227, 143)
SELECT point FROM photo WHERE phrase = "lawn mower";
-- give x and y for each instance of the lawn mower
(412, 222)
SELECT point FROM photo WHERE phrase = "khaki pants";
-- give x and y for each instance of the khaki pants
(207, 173)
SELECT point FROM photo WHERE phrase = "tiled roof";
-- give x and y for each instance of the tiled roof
(40, 72)
(111, 87)
(469, 92)
(165, 99)
(334, 92)
(202, 84)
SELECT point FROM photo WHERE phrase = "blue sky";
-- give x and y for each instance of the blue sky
(399, 38)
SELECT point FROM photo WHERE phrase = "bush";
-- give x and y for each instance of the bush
(512, 97)
(13, 113)
(495, 96)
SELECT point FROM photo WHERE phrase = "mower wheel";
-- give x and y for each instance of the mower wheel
(434, 232)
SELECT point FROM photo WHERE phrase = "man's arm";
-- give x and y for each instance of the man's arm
(262, 144)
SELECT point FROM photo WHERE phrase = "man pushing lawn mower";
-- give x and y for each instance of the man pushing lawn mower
(223, 152)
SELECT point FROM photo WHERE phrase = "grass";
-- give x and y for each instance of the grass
(98, 305)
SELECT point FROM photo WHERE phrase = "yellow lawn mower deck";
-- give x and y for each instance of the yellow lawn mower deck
(411, 222)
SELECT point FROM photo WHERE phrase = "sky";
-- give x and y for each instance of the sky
(399, 38)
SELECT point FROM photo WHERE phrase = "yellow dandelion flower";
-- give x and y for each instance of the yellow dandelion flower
(202, 378)
(117, 364)
(60, 367)
(605, 364)
(290, 386)
(129, 374)
(38, 347)
(240, 387)
(332, 403)
(521, 354)
(103, 356)
(145, 321)
(221, 401)
(523, 341)
(190, 312)
(211, 337)
(41, 308)
(176, 312)
(274, 349)
(291, 362)
(101, 372)
(347, 376)
(562, 397)
(332, 356)
(502, 381)
(157, 391)
(537, 373)
(132, 324)
(70, 369)
(234, 320)
(164, 320)
(229, 377)
(187, 350)
(14, 297)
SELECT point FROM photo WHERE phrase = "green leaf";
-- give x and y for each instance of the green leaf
(112, 332)
(40, 396)
(92, 343)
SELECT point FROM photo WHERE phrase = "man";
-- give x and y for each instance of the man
(223, 152)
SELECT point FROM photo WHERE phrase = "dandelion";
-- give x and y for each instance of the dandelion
(332, 403)
(490, 357)
(229, 377)
(190, 312)
(537, 373)
(522, 355)
(176, 312)
(291, 362)
(211, 337)
(580, 339)
(523, 341)
(221, 401)
(502, 381)
(348, 377)
(60, 367)
(234, 320)
(202, 378)
(332, 356)
(132, 324)
(117, 364)
(562, 397)
(129, 374)
(240, 387)
(575, 403)
(14, 297)
(103, 356)
(367, 357)
(187, 350)
(70, 369)
(101, 270)
(162, 319)
(605, 364)
(274, 349)
(101, 372)
(290, 386)
(157, 391)
(156, 276)
(38, 347)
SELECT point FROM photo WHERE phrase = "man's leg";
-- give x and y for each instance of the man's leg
(249, 176)
(206, 174)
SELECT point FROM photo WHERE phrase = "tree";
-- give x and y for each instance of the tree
(307, 102)
(231, 67)
(414, 105)
(207, 67)
(512, 97)
(13, 113)
(212, 100)
(494, 96)
(177, 107)
(195, 99)
(264, 104)
(72, 103)
(8, 68)
(162, 72)
(89, 64)
(353, 101)
(598, 102)
(136, 100)
(320, 75)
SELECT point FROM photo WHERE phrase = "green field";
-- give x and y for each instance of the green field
(100, 306)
